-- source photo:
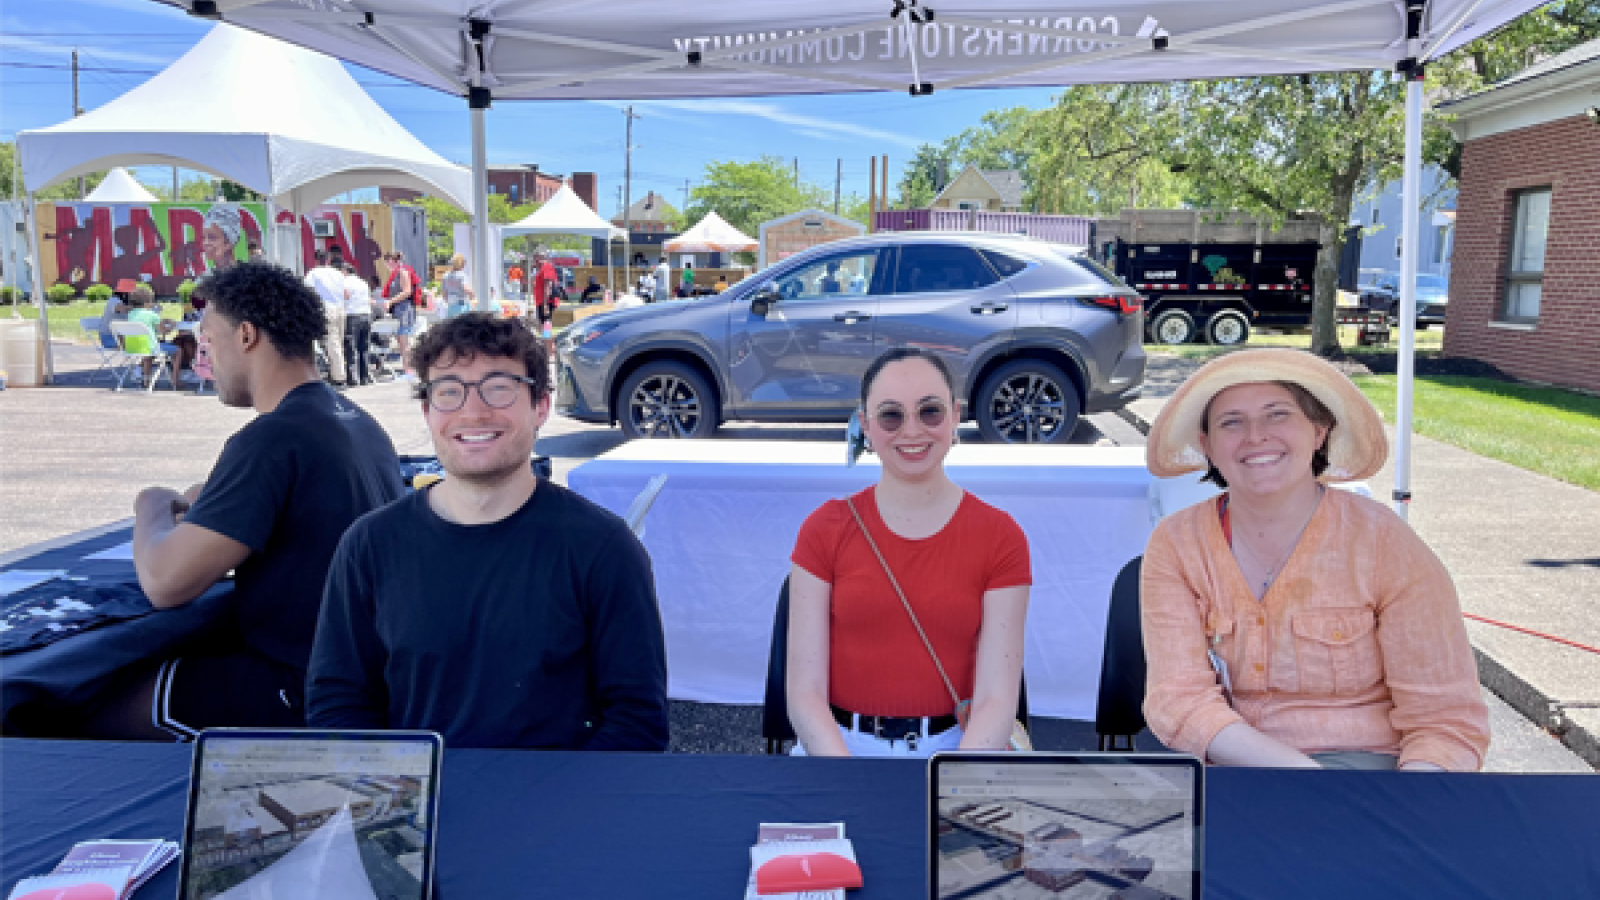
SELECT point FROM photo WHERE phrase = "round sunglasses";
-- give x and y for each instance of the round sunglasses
(891, 417)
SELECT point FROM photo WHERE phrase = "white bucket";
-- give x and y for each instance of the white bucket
(19, 352)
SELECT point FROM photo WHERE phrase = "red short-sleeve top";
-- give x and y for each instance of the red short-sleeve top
(877, 663)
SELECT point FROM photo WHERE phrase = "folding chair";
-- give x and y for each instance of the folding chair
(125, 330)
(1119, 713)
(202, 369)
(111, 355)
(386, 329)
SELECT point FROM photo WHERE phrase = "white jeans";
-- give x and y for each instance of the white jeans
(860, 744)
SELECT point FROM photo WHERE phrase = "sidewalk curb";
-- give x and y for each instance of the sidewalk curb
(1532, 703)
(1537, 707)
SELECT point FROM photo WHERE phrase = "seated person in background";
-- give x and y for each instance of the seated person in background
(1336, 633)
(115, 311)
(721, 285)
(143, 312)
(830, 283)
(855, 657)
(286, 487)
(593, 292)
(492, 607)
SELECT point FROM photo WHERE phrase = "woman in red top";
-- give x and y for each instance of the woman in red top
(861, 680)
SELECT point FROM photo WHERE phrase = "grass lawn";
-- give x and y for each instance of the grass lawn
(1431, 340)
(64, 318)
(1545, 430)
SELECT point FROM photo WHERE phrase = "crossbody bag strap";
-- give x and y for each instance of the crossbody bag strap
(954, 697)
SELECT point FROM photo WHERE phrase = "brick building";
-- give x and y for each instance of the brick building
(523, 183)
(1525, 283)
(785, 236)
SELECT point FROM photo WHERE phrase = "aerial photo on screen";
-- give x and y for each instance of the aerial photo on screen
(265, 828)
(993, 844)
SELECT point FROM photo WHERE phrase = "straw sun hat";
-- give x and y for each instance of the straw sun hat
(1356, 447)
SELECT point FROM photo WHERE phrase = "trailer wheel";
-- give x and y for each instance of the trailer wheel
(1173, 326)
(1228, 328)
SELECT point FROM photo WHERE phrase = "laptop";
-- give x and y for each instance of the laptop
(1065, 826)
(315, 815)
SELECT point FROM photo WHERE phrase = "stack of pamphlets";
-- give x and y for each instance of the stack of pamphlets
(802, 862)
(116, 868)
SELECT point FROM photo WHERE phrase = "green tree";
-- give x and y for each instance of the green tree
(1102, 148)
(11, 184)
(747, 194)
(999, 141)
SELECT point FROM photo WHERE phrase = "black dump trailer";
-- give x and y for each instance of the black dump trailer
(1212, 276)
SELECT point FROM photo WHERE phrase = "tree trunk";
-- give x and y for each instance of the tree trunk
(1324, 307)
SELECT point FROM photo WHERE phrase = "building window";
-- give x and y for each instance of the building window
(1530, 230)
(513, 193)
(1374, 215)
(969, 204)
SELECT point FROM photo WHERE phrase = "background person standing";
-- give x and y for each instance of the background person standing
(357, 326)
(329, 284)
(663, 276)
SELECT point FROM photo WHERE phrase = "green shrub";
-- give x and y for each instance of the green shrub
(98, 294)
(9, 296)
(185, 289)
(61, 293)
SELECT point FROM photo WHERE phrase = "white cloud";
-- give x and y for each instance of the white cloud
(808, 125)
(98, 54)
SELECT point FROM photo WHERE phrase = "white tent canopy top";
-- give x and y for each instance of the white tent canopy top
(639, 49)
(120, 187)
(280, 120)
(564, 213)
(712, 235)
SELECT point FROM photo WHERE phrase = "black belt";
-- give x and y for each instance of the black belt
(892, 728)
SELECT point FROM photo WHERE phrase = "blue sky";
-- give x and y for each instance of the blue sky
(122, 42)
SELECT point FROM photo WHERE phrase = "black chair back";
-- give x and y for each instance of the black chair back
(775, 725)
(1119, 714)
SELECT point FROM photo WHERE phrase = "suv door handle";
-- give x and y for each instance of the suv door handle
(851, 317)
(989, 309)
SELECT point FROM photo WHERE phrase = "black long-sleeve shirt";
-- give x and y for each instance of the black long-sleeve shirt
(540, 630)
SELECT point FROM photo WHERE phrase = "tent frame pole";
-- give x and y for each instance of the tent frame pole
(272, 232)
(1411, 195)
(39, 299)
(480, 209)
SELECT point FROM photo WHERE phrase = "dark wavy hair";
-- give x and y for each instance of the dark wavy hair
(1315, 410)
(272, 299)
(896, 354)
(472, 334)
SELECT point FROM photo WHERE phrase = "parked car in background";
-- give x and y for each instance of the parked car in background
(1380, 290)
(1035, 335)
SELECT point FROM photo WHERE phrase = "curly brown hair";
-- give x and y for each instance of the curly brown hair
(469, 335)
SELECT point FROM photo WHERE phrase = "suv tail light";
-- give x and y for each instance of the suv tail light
(1117, 303)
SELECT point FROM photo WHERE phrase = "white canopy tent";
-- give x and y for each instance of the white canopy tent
(120, 187)
(566, 213)
(712, 234)
(284, 122)
(531, 49)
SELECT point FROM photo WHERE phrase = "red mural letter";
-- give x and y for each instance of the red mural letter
(186, 230)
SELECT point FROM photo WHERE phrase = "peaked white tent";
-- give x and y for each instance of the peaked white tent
(524, 49)
(284, 122)
(712, 234)
(120, 187)
(564, 213)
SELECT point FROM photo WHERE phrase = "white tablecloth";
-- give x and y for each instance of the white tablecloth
(722, 529)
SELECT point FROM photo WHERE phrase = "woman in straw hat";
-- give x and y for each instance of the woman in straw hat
(1285, 624)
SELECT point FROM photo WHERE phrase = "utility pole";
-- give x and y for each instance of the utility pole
(872, 196)
(627, 199)
(685, 194)
(838, 177)
(174, 184)
(77, 110)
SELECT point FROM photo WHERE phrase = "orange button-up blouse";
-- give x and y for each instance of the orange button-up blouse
(1358, 645)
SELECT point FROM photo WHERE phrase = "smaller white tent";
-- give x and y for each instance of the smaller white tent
(120, 187)
(712, 235)
(564, 213)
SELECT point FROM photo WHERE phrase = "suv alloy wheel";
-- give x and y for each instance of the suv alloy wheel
(666, 400)
(1027, 402)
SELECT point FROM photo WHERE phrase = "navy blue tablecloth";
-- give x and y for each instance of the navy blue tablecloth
(618, 826)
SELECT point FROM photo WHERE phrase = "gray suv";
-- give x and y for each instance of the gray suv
(1034, 333)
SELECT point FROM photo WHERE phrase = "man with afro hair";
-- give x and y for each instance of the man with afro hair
(283, 492)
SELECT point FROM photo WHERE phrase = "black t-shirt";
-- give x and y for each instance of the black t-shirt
(540, 630)
(593, 290)
(287, 486)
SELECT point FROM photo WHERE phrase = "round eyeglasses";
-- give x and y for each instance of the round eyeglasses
(891, 417)
(498, 390)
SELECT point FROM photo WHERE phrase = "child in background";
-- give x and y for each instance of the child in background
(141, 299)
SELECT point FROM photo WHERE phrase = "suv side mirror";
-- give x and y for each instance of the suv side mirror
(765, 299)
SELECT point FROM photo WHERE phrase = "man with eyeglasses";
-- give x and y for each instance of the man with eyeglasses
(495, 608)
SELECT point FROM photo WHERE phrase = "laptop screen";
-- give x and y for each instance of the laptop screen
(310, 814)
(1065, 826)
